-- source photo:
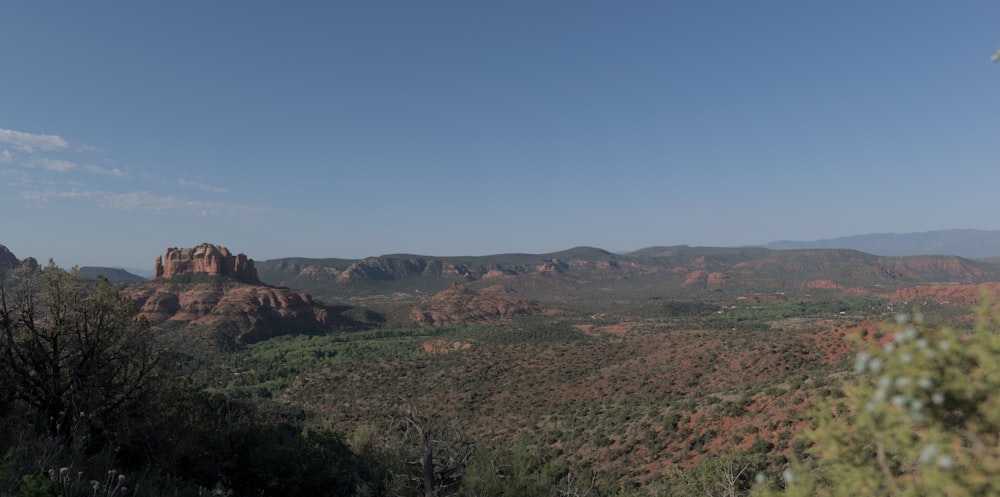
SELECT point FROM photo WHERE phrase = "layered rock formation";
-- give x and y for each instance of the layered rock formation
(237, 306)
(206, 258)
(245, 313)
(459, 305)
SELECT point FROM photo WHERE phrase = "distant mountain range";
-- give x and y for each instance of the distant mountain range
(589, 274)
(111, 273)
(401, 269)
(208, 287)
(970, 244)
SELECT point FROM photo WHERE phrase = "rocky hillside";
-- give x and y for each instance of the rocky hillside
(589, 272)
(206, 287)
(460, 305)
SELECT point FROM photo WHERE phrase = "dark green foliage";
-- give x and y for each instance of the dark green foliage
(77, 359)
(264, 368)
(83, 389)
(688, 309)
(528, 331)
(522, 470)
(282, 460)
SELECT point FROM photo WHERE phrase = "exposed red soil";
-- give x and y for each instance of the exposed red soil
(962, 295)
(459, 305)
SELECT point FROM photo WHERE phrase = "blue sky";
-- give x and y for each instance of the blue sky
(352, 129)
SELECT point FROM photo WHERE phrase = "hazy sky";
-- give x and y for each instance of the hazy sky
(351, 129)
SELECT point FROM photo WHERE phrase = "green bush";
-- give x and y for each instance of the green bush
(923, 418)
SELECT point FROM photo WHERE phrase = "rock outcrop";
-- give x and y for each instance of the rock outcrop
(7, 258)
(9, 261)
(239, 306)
(206, 258)
(460, 305)
(244, 313)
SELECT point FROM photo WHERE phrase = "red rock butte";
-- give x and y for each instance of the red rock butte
(206, 258)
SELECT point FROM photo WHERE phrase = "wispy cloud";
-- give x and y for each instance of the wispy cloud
(28, 142)
(143, 200)
(75, 179)
(59, 165)
(202, 186)
(114, 171)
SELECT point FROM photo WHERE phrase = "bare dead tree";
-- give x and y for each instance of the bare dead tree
(442, 453)
(572, 486)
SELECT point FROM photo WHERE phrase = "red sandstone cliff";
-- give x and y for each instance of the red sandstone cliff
(240, 306)
(206, 258)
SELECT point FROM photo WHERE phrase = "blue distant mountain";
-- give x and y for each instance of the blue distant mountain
(968, 243)
(111, 273)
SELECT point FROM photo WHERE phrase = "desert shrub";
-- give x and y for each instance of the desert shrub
(521, 469)
(732, 474)
(923, 418)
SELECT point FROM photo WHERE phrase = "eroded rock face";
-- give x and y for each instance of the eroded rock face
(206, 258)
(240, 306)
(245, 313)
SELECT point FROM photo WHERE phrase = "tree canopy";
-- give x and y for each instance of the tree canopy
(75, 354)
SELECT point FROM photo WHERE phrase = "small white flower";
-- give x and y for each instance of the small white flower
(879, 395)
(885, 381)
(927, 453)
(875, 365)
(788, 475)
(861, 362)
